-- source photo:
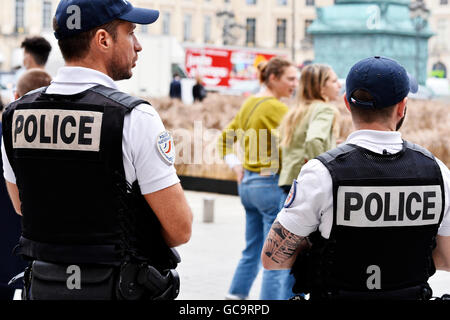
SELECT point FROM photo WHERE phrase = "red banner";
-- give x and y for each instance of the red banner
(224, 67)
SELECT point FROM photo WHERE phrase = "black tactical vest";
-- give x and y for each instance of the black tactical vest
(386, 213)
(66, 153)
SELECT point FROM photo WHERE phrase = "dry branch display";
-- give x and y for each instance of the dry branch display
(196, 129)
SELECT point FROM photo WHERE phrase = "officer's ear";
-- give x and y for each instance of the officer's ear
(401, 107)
(346, 102)
(103, 40)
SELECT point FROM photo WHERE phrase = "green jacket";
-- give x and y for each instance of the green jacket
(249, 127)
(312, 136)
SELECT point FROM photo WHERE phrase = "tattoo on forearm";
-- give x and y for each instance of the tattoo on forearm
(281, 244)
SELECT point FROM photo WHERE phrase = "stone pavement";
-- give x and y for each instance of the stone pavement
(210, 257)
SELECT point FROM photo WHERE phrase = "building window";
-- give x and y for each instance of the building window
(310, 3)
(207, 29)
(282, 2)
(166, 23)
(443, 2)
(144, 28)
(281, 33)
(250, 2)
(20, 22)
(187, 24)
(250, 34)
(307, 36)
(47, 15)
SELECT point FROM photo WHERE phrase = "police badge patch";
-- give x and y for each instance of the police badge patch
(166, 146)
(291, 196)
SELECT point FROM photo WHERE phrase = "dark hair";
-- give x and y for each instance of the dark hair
(39, 48)
(275, 66)
(77, 46)
(369, 115)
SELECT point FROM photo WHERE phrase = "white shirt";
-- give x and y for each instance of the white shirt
(312, 207)
(141, 158)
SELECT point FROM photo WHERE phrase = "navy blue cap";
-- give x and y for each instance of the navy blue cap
(77, 16)
(385, 79)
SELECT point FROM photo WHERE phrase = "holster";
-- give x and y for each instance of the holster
(142, 281)
(305, 269)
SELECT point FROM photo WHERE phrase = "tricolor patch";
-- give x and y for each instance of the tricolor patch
(291, 196)
(166, 146)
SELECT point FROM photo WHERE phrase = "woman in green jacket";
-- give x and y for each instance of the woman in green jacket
(311, 127)
(254, 128)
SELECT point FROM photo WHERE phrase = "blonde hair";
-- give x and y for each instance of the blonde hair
(275, 66)
(312, 81)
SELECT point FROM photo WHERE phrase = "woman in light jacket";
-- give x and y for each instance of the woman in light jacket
(310, 128)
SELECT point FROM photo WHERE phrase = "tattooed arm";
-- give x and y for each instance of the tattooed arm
(281, 248)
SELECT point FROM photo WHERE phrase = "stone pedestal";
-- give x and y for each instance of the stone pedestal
(352, 30)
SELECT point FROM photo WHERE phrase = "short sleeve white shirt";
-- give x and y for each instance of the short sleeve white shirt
(312, 207)
(142, 126)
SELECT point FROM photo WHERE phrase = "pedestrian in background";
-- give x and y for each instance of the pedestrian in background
(31, 80)
(175, 87)
(36, 51)
(198, 90)
(257, 178)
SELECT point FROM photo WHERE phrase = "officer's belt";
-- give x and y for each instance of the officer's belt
(99, 254)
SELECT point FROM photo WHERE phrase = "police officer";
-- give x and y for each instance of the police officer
(371, 218)
(91, 168)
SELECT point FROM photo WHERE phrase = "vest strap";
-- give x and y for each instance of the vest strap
(334, 153)
(122, 98)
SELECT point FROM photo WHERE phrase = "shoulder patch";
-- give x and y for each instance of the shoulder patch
(291, 196)
(166, 147)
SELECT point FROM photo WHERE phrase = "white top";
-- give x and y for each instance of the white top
(141, 158)
(312, 207)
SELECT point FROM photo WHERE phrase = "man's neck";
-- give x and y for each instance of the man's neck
(36, 66)
(373, 126)
(85, 64)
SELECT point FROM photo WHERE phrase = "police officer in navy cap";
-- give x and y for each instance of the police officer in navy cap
(371, 218)
(91, 171)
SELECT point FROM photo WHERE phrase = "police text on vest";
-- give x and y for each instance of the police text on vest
(388, 206)
(57, 129)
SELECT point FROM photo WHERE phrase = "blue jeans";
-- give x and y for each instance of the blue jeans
(260, 196)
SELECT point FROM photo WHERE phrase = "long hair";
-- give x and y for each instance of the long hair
(312, 80)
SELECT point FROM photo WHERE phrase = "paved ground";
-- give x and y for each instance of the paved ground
(209, 259)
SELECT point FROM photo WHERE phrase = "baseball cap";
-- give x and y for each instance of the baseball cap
(77, 16)
(383, 78)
